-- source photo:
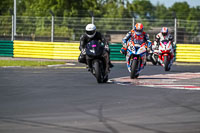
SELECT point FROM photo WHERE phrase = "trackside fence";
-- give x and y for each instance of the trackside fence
(36, 34)
(65, 29)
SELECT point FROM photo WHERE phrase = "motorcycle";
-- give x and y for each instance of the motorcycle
(165, 54)
(152, 56)
(96, 62)
(135, 58)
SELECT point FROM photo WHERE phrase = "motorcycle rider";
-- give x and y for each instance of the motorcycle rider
(138, 36)
(89, 35)
(164, 35)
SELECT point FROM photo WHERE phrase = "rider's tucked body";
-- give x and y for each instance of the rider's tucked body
(137, 35)
(92, 34)
(164, 35)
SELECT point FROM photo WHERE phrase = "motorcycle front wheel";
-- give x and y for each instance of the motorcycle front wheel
(97, 71)
(105, 79)
(134, 67)
(166, 63)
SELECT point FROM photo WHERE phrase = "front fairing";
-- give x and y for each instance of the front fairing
(165, 47)
(136, 52)
(94, 49)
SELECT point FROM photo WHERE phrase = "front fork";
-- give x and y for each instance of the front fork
(141, 62)
(160, 60)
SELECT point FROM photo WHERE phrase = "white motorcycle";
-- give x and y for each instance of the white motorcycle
(136, 58)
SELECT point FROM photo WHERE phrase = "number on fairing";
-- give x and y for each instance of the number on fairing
(131, 47)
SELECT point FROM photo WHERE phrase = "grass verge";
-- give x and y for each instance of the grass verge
(24, 63)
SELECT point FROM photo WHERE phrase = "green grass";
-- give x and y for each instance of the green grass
(24, 63)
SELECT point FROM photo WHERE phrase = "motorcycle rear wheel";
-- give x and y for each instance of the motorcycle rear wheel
(154, 62)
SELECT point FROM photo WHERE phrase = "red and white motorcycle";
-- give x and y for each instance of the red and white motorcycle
(166, 54)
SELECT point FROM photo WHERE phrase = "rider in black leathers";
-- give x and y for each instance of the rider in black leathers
(89, 35)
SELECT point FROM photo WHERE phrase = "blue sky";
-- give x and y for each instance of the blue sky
(169, 3)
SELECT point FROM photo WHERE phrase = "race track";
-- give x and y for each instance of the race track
(67, 99)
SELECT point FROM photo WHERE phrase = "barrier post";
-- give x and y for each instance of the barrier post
(175, 30)
(92, 15)
(175, 27)
(133, 20)
(12, 32)
(15, 16)
(52, 25)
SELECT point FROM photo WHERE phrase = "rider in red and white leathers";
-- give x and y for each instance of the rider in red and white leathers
(163, 35)
(138, 36)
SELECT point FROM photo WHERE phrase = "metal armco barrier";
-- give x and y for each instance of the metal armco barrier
(6, 48)
(188, 52)
(49, 50)
(115, 52)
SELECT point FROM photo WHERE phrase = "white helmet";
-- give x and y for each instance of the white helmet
(90, 30)
(164, 31)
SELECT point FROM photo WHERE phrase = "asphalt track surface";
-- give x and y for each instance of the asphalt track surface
(68, 99)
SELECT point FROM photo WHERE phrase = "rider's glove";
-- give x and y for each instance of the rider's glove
(149, 44)
(107, 47)
(148, 49)
(124, 43)
(83, 51)
(174, 45)
(123, 50)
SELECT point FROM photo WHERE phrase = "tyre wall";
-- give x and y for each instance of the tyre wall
(6, 48)
(59, 50)
(188, 52)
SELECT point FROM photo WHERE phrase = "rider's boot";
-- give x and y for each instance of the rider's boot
(110, 65)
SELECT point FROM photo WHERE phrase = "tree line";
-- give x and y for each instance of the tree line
(101, 8)
(63, 9)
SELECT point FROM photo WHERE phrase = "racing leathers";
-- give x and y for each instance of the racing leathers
(138, 39)
(84, 40)
(159, 37)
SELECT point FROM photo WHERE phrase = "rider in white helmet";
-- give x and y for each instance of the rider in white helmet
(90, 30)
(163, 35)
(92, 34)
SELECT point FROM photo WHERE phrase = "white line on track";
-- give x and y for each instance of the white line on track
(171, 81)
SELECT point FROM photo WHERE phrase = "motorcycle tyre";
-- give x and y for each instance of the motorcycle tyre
(105, 79)
(134, 66)
(98, 73)
(154, 62)
(166, 62)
